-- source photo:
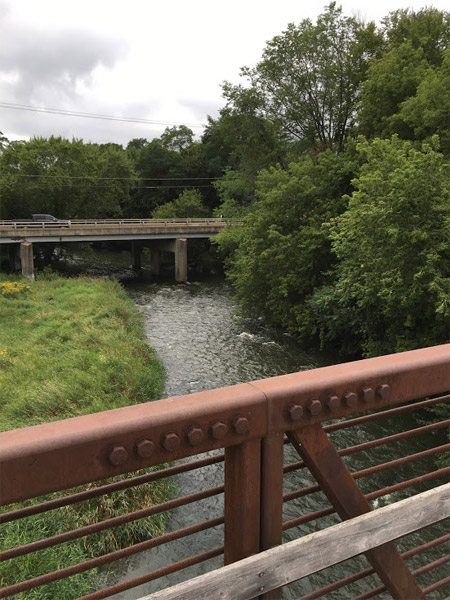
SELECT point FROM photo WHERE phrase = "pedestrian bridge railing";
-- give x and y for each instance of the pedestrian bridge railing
(369, 433)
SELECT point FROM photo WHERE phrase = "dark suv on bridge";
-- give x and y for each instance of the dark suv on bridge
(41, 218)
(50, 218)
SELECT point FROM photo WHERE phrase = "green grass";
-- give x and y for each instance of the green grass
(70, 347)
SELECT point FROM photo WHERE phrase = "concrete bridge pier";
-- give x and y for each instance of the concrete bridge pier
(181, 260)
(21, 259)
(26, 258)
(179, 249)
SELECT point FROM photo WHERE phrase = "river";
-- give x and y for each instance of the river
(204, 344)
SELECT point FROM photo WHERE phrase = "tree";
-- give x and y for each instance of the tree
(281, 253)
(414, 45)
(177, 138)
(428, 112)
(69, 179)
(392, 280)
(307, 82)
(188, 205)
(158, 170)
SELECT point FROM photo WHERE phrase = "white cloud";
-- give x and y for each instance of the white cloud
(154, 60)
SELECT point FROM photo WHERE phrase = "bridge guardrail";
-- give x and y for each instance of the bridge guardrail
(94, 223)
(249, 422)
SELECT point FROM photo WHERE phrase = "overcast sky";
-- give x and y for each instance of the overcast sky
(161, 61)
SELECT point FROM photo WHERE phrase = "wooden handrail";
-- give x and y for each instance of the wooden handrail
(269, 570)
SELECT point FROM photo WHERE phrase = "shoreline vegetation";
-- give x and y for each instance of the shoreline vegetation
(70, 347)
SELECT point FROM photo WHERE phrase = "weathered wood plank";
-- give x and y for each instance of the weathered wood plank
(279, 566)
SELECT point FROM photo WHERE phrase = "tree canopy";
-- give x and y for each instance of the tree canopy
(307, 82)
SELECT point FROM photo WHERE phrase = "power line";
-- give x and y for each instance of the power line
(70, 113)
(108, 178)
(93, 186)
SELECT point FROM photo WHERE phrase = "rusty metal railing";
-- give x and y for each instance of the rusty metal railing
(261, 426)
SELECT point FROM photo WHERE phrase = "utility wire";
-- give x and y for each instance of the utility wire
(93, 186)
(109, 178)
(70, 113)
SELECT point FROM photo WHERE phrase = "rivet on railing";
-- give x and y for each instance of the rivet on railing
(382, 391)
(332, 403)
(171, 441)
(367, 394)
(295, 412)
(315, 407)
(218, 430)
(350, 399)
(195, 435)
(118, 455)
(145, 448)
(240, 425)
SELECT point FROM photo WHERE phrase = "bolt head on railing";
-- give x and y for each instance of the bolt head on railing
(171, 441)
(240, 425)
(145, 448)
(350, 399)
(367, 394)
(382, 392)
(218, 430)
(118, 455)
(315, 407)
(332, 403)
(295, 412)
(195, 436)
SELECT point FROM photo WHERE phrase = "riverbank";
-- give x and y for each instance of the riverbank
(69, 347)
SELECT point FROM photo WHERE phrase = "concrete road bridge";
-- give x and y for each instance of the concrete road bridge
(170, 235)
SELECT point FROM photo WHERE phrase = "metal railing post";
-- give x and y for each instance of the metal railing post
(272, 448)
(242, 500)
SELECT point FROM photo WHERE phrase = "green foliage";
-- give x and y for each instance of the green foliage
(428, 112)
(155, 164)
(280, 254)
(241, 139)
(307, 82)
(68, 179)
(391, 284)
(177, 138)
(188, 205)
(236, 193)
(414, 45)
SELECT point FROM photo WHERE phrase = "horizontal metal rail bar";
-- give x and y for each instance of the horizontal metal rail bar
(103, 445)
(109, 523)
(378, 442)
(374, 469)
(294, 560)
(163, 572)
(107, 558)
(437, 585)
(392, 412)
(417, 572)
(336, 585)
(370, 496)
(109, 488)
